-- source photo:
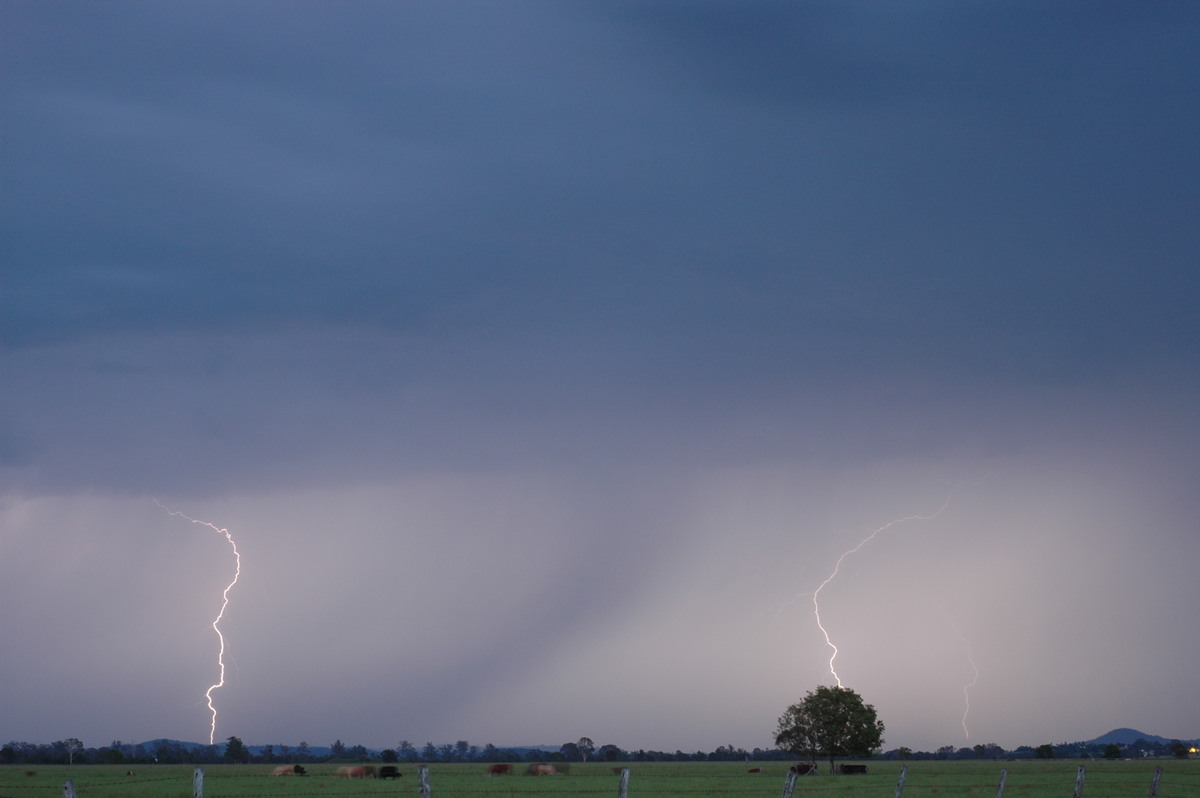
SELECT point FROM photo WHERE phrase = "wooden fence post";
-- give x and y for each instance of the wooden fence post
(623, 789)
(789, 784)
(69, 789)
(423, 781)
(1000, 789)
(900, 783)
(1079, 782)
(1153, 782)
(198, 783)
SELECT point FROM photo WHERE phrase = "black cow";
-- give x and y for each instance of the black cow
(852, 770)
(390, 772)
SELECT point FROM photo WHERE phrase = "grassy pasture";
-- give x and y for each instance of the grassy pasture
(937, 779)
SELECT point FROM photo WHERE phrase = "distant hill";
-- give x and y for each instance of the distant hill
(150, 745)
(313, 750)
(316, 751)
(1127, 736)
(1123, 737)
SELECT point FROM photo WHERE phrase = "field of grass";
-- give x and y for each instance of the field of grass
(1026, 779)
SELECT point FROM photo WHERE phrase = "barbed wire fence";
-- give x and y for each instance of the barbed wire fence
(630, 782)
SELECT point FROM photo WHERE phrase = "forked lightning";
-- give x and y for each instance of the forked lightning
(837, 568)
(216, 624)
(967, 687)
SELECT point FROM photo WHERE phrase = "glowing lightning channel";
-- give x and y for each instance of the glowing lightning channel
(216, 624)
(967, 687)
(837, 567)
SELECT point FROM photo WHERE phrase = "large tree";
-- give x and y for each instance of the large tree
(236, 751)
(832, 722)
(71, 745)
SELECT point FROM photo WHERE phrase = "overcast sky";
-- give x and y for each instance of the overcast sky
(542, 359)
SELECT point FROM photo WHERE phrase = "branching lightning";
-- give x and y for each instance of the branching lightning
(216, 624)
(837, 569)
(967, 687)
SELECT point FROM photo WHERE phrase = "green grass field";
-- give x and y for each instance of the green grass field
(1026, 779)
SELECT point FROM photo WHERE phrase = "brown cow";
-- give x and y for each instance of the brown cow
(754, 770)
(542, 769)
(356, 772)
(500, 769)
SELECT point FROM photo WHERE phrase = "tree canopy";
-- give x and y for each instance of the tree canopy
(832, 722)
(236, 751)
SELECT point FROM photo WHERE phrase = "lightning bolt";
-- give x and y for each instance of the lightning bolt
(216, 624)
(816, 596)
(967, 687)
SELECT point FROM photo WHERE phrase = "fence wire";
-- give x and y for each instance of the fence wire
(645, 782)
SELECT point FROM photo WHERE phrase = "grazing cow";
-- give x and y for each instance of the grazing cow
(356, 772)
(754, 770)
(500, 769)
(852, 770)
(390, 772)
(542, 769)
(804, 769)
(288, 770)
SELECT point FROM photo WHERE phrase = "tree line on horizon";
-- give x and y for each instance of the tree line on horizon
(829, 722)
(72, 751)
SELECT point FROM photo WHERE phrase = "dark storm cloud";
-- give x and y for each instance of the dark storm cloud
(1000, 169)
(620, 295)
(357, 175)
